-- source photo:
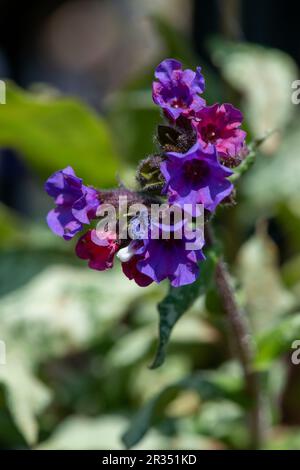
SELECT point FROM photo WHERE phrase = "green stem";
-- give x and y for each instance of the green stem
(244, 348)
(250, 158)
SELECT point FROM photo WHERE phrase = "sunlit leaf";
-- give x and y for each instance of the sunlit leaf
(206, 384)
(225, 421)
(284, 438)
(277, 341)
(25, 395)
(64, 307)
(80, 432)
(263, 76)
(258, 269)
(280, 172)
(54, 133)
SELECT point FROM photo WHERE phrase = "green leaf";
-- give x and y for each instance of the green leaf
(53, 133)
(26, 396)
(277, 341)
(207, 384)
(291, 271)
(10, 223)
(280, 172)
(284, 438)
(130, 348)
(19, 265)
(177, 302)
(258, 268)
(78, 310)
(225, 421)
(81, 432)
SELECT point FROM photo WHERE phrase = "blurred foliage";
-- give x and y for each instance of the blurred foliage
(262, 77)
(265, 295)
(79, 343)
(52, 133)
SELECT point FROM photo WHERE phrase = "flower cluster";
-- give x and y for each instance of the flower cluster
(198, 146)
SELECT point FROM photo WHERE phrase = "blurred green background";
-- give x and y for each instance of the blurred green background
(78, 342)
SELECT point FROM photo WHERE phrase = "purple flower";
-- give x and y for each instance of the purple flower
(173, 255)
(219, 125)
(195, 177)
(172, 258)
(76, 204)
(177, 91)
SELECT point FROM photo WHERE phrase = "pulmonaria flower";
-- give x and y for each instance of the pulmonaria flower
(131, 272)
(154, 259)
(186, 177)
(195, 177)
(176, 90)
(171, 259)
(129, 260)
(98, 248)
(219, 125)
(76, 204)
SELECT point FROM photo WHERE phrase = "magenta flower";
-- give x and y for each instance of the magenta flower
(99, 250)
(219, 125)
(196, 177)
(176, 91)
(76, 204)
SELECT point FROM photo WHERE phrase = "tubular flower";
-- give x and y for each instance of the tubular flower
(99, 250)
(176, 90)
(196, 177)
(189, 175)
(219, 125)
(175, 258)
(76, 204)
(131, 271)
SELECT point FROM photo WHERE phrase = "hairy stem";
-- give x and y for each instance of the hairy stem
(244, 348)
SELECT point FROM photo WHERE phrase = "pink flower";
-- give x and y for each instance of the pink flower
(219, 125)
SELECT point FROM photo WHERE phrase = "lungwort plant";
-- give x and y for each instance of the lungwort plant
(162, 229)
